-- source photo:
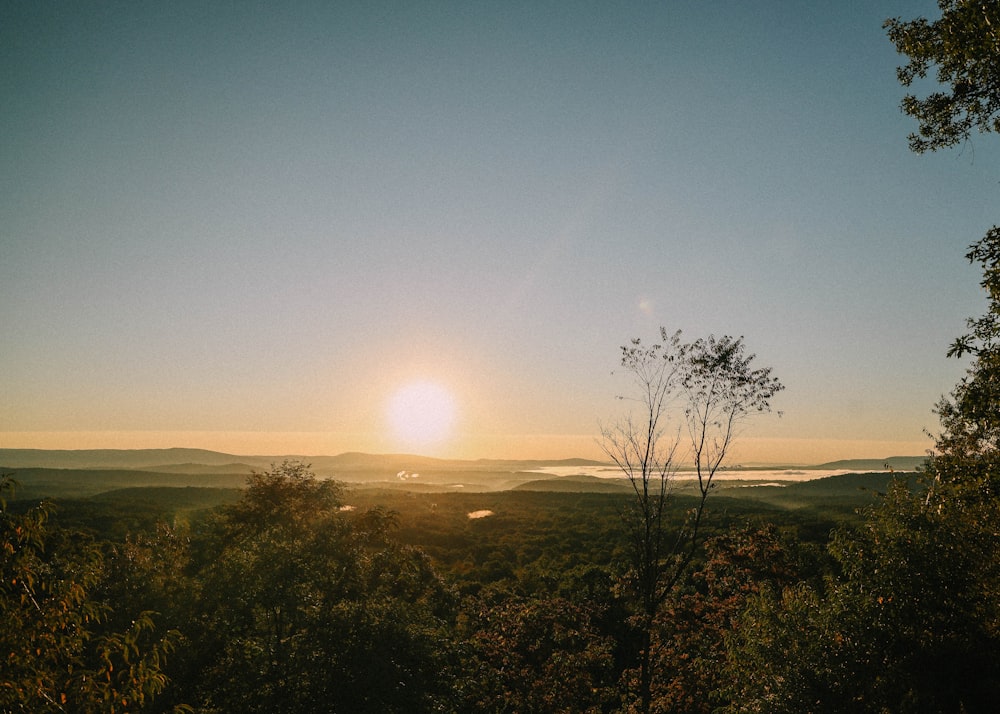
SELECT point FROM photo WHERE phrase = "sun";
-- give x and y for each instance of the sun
(422, 413)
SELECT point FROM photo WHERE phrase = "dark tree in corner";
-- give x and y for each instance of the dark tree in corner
(912, 621)
(963, 46)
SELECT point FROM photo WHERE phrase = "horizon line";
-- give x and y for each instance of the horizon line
(791, 451)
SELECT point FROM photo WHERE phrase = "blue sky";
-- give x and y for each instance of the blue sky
(222, 219)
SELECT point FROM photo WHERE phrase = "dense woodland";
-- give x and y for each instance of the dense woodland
(297, 594)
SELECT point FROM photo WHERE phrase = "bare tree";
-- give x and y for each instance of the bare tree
(704, 390)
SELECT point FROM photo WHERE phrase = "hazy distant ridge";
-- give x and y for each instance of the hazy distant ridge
(896, 463)
(182, 460)
(85, 473)
(115, 458)
(194, 460)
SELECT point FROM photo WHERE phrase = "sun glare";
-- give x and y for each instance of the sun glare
(422, 413)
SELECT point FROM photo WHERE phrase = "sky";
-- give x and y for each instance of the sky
(261, 227)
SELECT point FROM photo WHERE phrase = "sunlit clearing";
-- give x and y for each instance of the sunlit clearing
(422, 413)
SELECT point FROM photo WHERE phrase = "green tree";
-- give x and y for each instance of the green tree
(149, 571)
(58, 655)
(310, 607)
(908, 624)
(912, 621)
(962, 492)
(702, 389)
(969, 418)
(543, 655)
(693, 627)
(963, 46)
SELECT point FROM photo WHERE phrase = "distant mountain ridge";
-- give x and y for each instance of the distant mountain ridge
(575, 484)
(85, 473)
(113, 458)
(895, 463)
(183, 460)
(193, 469)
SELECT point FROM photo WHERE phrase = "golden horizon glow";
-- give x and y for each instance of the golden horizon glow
(747, 451)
